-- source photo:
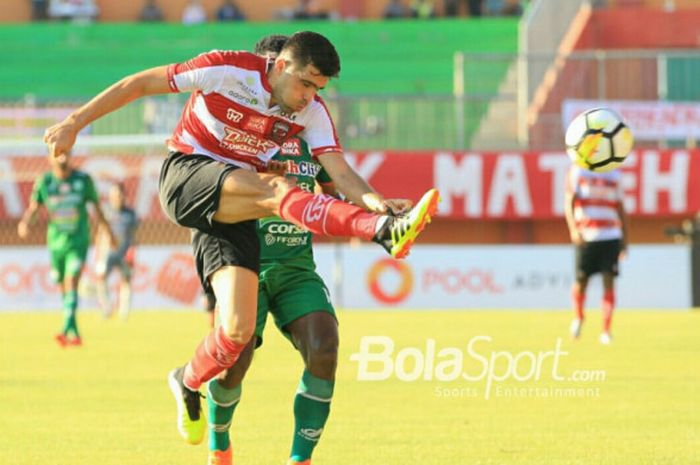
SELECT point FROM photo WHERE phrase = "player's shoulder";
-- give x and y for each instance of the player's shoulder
(315, 110)
(82, 175)
(236, 58)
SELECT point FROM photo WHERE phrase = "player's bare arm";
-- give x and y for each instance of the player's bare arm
(357, 190)
(61, 137)
(27, 219)
(103, 225)
(570, 221)
(624, 219)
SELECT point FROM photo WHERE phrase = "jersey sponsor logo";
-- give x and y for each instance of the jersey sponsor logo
(285, 228)
(234, 115)
(64, 188)
(291, 148)
(303, 168)
(256, 124)
(242, 98)
(241, 141)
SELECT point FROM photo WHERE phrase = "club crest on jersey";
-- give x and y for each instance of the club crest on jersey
(280, 131)
(291, 147)
(241, 141)
(234, 115)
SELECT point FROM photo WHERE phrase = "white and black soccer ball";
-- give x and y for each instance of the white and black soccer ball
(598, 140)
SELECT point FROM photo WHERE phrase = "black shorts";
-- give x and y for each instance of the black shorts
(189, 189)
(597, 257)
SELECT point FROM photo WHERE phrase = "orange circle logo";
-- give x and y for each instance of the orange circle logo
(389, 265)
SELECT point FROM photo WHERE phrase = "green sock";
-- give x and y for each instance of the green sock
(312, 405)
(70, 305)
(221, 404)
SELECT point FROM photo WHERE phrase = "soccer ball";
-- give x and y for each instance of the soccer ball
(598, 140)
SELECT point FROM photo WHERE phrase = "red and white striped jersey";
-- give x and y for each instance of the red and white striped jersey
(595, 201)
(228, 116)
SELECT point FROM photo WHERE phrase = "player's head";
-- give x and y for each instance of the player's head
(270, 46)
(304, 66)
(117, 195)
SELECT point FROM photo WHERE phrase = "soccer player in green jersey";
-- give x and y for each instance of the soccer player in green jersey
(295, 295)
(65, 193)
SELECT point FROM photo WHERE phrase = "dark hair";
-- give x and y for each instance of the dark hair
(312, 48)
(272, 43)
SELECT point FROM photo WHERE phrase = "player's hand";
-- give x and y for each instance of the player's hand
(375, 203)
(280, 168)
(398, 206)
(60, 138)
(22, 230)
(576, 238)
(623, 252)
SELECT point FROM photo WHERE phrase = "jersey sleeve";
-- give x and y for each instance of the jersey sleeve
(38, 192)
(320, 132)
(323, 177)
(206, 72)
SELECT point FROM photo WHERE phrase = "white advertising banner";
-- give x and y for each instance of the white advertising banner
(513, 277)
(648, 119)
(364, 277)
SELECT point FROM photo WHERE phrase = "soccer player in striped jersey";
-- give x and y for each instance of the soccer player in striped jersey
(598, 226)
(242, 109)
(295, 295)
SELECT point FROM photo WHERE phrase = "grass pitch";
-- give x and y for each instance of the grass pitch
(632, 403)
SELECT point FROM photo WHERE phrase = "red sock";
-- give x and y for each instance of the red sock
(608, 307)
(323, 214)
(578, 298)
(213, 355)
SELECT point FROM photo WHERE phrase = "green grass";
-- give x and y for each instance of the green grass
(108, 403)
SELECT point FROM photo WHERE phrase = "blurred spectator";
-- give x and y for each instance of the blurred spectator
(513, 8)
(423, 9)
(474, 7)
(39, 10)
(84, 10)
(494, 7)
(151, 12)
(229, 11)
(395, 9)
(309, 9)
(451, 8)
(194, 13)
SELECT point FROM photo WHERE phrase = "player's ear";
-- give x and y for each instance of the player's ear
(280, 64)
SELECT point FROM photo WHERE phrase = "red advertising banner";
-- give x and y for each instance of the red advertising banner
(475, 185)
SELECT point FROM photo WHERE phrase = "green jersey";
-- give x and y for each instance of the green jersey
(280, 240)
(66, 201)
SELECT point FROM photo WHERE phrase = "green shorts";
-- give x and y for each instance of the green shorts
(67, 262)
(289, 293)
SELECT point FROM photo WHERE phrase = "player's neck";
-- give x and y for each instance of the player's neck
(62, 173)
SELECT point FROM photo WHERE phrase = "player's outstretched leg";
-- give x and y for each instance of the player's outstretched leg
(323, 214)
(398, 234)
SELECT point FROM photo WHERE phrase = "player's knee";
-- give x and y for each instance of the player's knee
(280, 188)
(234, 375)
(322, 357)
(239, 331)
